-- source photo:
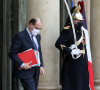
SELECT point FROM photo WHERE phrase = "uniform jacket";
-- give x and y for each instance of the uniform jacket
(74, 73)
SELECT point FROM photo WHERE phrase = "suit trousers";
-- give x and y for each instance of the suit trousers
(31, 83)
(28, 84)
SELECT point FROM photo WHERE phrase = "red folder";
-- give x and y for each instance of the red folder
(29, 56)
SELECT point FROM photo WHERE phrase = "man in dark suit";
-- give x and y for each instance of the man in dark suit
(24, 40)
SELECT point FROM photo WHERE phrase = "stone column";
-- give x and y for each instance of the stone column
(49, 12)
(95, 40)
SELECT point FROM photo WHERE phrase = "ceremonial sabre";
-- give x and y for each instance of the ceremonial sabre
(72, 28)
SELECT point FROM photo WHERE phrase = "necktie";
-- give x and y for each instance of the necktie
(33, 42)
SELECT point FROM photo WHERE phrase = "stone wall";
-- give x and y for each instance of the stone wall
(95, 40)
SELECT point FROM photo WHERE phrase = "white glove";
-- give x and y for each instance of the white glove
(75, 52)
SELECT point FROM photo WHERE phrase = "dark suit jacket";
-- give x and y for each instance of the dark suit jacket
(20, 43)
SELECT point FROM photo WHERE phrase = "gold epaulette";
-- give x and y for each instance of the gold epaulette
(67, 27)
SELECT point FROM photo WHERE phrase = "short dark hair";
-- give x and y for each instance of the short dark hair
(33, 21)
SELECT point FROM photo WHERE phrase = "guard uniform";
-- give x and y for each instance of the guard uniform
(74, 71)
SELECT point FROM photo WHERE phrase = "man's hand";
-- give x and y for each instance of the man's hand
(41, 70)
(26, 66)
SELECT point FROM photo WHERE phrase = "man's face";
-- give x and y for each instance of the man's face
(76, 21)
(38, 26)
(78, 24)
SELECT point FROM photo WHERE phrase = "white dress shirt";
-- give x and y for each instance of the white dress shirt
(34, 37)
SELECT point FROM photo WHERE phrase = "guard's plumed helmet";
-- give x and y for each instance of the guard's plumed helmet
(76, 13)
(77, 16)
